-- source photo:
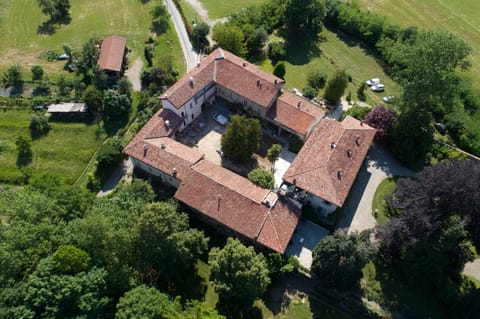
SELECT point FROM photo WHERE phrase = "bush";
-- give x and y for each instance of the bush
(358, 112)
(310, 92)
(262, 178)
(37, 72)
(276, 51)
(295, 144)
(39, 125)
(280, 70)
(316, 78)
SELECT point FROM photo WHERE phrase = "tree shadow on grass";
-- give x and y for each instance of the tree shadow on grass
(50, 26)
(301, 47)
(113, 124)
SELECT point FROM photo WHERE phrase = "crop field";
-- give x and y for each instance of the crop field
(22, 42)
(459, 16)
(66, 149)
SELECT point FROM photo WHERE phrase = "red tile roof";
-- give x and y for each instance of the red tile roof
(297, 117)
(225, 69)
(166, 155)
(111, 53)
(329, 162)
(219, 194)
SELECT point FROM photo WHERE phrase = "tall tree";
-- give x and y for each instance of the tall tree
(230, 37)
(115, 104)
(305, 15)
(383, 120)
(13, 76)
(167, 248)
(239, 274)
(55, 9)
(336, 86)
(273, 153)
(338, 260)
(242, 138)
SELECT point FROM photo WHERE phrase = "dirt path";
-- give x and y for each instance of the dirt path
(134, 73)
(200, 9)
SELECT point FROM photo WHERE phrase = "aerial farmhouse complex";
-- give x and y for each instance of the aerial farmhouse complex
(321, 174)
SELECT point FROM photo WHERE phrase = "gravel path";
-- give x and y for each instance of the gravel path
(379, 164)
(134, 73)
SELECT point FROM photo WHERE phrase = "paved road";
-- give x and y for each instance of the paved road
(357, 213)
(188, 52)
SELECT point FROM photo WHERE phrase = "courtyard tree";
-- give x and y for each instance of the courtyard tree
(338, 259)
(230, 37)
(239, 274)
(262, 178)
(242, 138)
(336, 86)
(273, 153)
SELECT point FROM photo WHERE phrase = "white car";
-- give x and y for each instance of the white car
(220, 118)
(388, 98)
(373, 81)
(378, 88)
(297, 92)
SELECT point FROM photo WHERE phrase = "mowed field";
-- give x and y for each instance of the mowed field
(460, 16)
(66, 150)
(20, 19)
(221, 8)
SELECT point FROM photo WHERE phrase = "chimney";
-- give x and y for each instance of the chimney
(218, 204)
(339, 173)
(299, 104)
(167, 123)
(163, 146)
(198, 64)
(145, 149)
(332, 145)
(275, 81)
(192, 82)
(361, 123)
(258, 83)
(349, 153)
(174, 172)
(357, 140)
(244, 64)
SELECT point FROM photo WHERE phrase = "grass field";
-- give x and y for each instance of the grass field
(21, 43)
(221, 8)
(336, 52)
(66, 149)
(385, 188)
(460, 16)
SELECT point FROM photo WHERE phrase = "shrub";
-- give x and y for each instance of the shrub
(37, 72)
(39, 125)
(276, 51)
(280, 70)
(262, 178)
(358, 112)
(310, 92)
(316, 78)
(295, 144)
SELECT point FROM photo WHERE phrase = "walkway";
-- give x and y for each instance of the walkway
(188, 52)
(357, 212)
(126, 168)
(134, 74)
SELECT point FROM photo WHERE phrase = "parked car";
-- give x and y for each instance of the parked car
(297, 92)
(220, 118)
(378, 88)
(388, 98)
(373, 81)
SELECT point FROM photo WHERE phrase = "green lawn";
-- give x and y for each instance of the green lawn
(221, 8)
(460, 16)
(19, 21)
(66, 149)
(336, 52)
(385, 188)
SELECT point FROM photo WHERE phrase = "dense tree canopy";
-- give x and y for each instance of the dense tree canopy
(382, 119)
(242, 138)
(262, 178)
(336, 86)
(240, 274)
(230, 37)
(55, 9)
(338, 259)
(306, 15)
(116, 104)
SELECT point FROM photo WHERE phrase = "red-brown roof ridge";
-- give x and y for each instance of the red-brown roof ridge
(111, 53)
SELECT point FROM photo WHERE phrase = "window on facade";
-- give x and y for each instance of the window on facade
(183, 114)
(192, 116)
(191, 106)
(245, 102)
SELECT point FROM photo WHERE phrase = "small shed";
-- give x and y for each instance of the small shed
(67, 110)
(113, 55)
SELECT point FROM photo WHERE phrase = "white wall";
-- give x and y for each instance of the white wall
(153, 171)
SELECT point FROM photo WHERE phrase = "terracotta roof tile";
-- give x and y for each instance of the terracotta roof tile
(111, 53)
(232, 181)
(226, 69)
(213, 195)
(279, 226)
(166, 155)
(299, 118)
(329, 162)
